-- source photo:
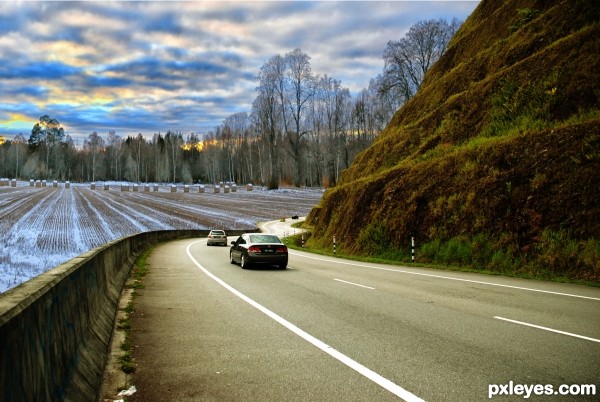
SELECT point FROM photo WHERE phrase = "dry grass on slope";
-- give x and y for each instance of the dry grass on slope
(496, 155)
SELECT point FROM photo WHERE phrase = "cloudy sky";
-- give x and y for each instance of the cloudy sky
(152, 66)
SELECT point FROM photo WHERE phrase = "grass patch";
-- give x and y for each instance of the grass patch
(127, 363)
(139, 270)
(559, 256)
(374, 238)
(298, 225)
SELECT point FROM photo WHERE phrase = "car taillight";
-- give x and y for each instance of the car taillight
(254, 249)
(282, 249)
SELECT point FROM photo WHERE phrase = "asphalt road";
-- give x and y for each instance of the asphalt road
(328, 329)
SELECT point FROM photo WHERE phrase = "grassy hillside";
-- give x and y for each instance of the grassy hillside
(495, 163)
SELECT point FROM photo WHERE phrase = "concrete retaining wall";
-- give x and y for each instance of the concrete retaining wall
(55, 329)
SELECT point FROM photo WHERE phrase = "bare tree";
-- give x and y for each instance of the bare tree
(408, 59)
(235, 131)
(93, 144)
(336, 105)
(18, 143)
(174, 142)
(139, 143)
(269, 112)
(114, 142)
(301, 89)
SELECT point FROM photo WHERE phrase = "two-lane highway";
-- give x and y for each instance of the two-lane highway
(332, 329)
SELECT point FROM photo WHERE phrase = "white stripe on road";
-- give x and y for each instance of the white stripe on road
(355, 284)
(447, 277)
(548, 329)
(371, 375)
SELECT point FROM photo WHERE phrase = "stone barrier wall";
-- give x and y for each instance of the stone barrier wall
(55, 329)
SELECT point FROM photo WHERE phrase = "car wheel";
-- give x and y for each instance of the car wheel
(282, 266)
(231, 260)
(243, 262)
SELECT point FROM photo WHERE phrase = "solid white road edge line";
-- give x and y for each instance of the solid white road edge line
(448, 277)
(355, 284)
(548, 329)
(371, 375)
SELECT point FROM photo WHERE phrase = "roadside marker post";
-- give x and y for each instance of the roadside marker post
(412, 241)
(333, 244)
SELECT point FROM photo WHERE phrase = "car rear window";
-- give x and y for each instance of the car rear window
(217, 232)
(264, 239)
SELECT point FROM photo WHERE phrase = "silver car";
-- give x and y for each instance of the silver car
(218, 237)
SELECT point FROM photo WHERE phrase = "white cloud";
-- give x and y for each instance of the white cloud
(129, 65)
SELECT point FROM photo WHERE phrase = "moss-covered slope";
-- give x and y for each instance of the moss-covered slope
(499, 149)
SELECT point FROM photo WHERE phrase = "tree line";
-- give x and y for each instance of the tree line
(303, 129)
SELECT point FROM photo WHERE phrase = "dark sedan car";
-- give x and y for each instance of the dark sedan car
(258, 248)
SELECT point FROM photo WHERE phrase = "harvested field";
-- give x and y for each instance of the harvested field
(42, 227)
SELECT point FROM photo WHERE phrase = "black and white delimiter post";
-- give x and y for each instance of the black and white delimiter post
(333, 244)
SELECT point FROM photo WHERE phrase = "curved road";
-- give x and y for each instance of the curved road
(328, 329)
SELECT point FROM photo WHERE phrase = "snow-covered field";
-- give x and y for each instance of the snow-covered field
(42, 227)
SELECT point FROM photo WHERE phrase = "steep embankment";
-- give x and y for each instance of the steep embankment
(496, 161)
